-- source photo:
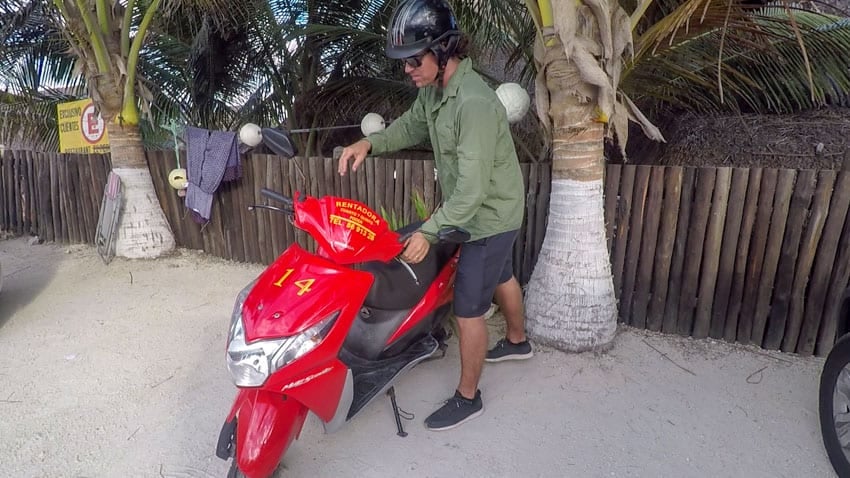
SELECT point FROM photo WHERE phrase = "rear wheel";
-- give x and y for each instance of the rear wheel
(834, 406)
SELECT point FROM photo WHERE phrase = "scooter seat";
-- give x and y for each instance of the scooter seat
(395, 289)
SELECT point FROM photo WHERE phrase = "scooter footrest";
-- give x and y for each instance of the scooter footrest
(374, 377)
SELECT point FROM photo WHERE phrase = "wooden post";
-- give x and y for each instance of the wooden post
(729, 246)
(671, 308)
(782, 201)
(797, 215)
(621, 236)
(711, 253)
(838, 281)
(694, 249)
(636, 219)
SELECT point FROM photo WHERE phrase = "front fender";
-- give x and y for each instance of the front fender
(266, 424)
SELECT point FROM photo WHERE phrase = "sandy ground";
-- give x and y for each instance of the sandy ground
(118, 371)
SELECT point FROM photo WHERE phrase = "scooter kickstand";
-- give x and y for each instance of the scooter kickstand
(391, 393)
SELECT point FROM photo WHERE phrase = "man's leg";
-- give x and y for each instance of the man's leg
(473, 346)
(466, 402)
(478, 272)
(508, 295)
(509, 299)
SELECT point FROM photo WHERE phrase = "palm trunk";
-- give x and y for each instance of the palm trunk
(143, 232)
(570, 300)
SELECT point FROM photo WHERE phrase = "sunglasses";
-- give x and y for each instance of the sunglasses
(415, 61)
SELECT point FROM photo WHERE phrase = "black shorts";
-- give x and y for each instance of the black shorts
(483, 265)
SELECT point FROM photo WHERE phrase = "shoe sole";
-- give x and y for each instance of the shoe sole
(510, 357)
(449, 427)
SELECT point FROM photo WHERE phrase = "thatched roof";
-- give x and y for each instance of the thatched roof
(814, 139)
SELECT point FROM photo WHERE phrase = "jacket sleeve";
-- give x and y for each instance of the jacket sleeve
(410, 129)
(476, 123)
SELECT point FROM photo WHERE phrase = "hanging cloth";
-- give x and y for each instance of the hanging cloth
(211, 157)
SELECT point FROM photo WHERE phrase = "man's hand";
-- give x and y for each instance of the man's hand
(356, 151)
(415, 248)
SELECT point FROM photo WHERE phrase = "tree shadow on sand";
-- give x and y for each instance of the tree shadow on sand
(26, 272)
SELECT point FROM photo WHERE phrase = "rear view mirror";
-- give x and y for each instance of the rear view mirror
(279, 142)
(454, 235)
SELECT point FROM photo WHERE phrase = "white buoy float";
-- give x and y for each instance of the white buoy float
(515, 100)
(250, 134)
(372, 123)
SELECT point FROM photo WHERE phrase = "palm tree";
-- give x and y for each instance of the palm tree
(180, 60)
(186, 61)
(570, 300)
(107, 41)
(582, 52)
(35, 74)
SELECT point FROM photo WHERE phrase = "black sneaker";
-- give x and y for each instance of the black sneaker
(456, 411)
(507, 350)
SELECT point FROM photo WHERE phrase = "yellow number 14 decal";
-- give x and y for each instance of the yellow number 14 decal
(303, 284)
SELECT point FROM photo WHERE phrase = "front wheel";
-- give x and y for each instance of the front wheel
(235, 472)
(834, 406)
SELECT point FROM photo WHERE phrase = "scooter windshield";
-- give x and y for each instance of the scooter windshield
(346, 230)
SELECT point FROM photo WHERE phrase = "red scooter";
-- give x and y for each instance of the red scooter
(313, 333)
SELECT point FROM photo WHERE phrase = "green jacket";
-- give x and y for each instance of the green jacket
(476, 160)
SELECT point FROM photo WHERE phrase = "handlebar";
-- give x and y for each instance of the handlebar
(287, 202)
(276, 196)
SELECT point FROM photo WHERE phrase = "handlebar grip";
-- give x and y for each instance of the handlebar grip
(276, 196)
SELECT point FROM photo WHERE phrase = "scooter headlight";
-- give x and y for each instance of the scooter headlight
(248, 363)
(298, 345)
(251, 364)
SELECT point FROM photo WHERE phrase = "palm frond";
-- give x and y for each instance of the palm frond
(760, 67)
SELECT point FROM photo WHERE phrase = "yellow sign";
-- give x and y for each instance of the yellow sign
(80, 129)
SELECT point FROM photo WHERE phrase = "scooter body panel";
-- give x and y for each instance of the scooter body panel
(266, 424)
(439, 293)
(297, 291)
(275, 309)
(347, 231)
(319, 388)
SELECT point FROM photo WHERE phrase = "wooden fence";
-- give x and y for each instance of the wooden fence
(756, 256)
(56, 197)
(238, 234)
(67, 210)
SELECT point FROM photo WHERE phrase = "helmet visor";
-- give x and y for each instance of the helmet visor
(400, 52)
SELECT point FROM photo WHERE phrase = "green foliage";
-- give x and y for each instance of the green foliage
(756, 63)
(302, 63)
(396, 221)
(393, 219)
(419, 205)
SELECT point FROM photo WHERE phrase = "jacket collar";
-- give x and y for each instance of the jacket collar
(464, 67)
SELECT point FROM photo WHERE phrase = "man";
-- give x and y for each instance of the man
(481, 181)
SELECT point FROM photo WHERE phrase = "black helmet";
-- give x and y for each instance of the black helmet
(418, 25)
